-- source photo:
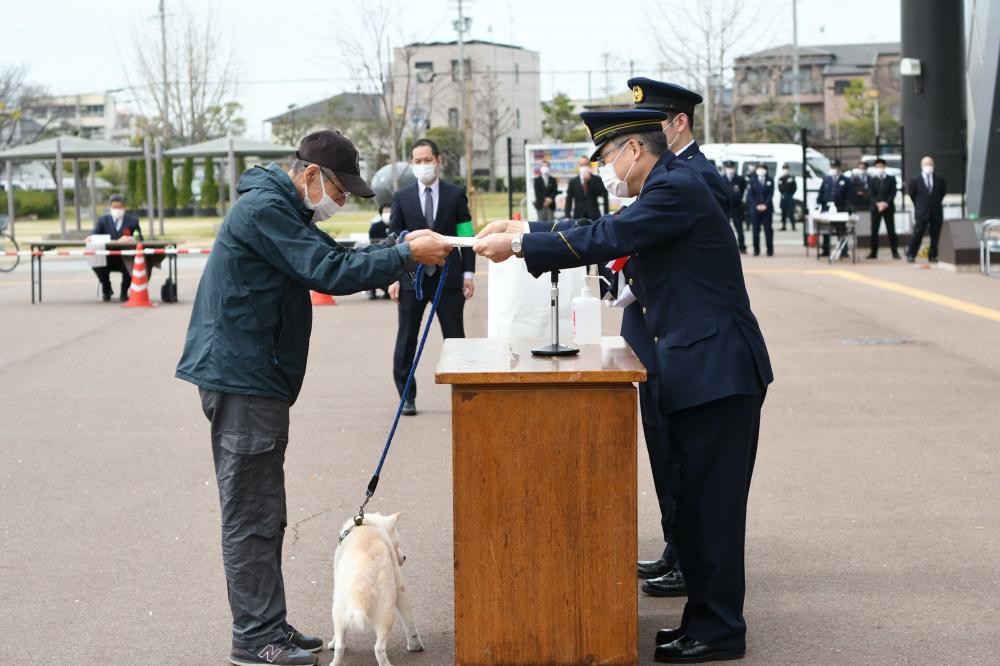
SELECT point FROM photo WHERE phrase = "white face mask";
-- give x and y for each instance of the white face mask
(614, 185)
(834, 173)
(879, 172)
(670, 144)
(544, 171)
(326, 207)
(928, 169)
(117, 214)
(761, 173)
(584, 171)
(784, 172)
(730, 173)
(425, 173)
(386, 217)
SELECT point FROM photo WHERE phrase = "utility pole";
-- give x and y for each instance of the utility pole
(462, 26)
(708, 105)
(795, 59)
(163, 65)
(607, 81)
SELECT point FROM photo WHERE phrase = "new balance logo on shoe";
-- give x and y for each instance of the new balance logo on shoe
(270, 652)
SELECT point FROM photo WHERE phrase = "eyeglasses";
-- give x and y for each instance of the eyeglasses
(332, 178)
(600, 160)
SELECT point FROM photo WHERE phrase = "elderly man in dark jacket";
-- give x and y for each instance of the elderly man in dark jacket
(246, 350)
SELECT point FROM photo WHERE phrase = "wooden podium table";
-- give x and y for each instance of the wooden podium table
(544, 467)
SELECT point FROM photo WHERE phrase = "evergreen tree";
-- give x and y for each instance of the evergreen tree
(169, 190)
(132, 184)
(209, 188)
(184, 195)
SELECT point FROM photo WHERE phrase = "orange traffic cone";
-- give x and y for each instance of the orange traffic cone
(322, 299)
(138, 293)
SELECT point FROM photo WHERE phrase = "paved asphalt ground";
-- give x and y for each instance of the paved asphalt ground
(874, 527)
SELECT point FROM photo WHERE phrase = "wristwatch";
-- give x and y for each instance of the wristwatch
(515, 246)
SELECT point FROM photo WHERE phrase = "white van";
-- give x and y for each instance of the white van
(774, 155)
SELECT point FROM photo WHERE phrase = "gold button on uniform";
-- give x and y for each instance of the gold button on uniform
(631, 282)
(655, 339)
(644, 310)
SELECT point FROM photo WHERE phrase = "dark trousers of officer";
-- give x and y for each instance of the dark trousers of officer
(450, 316)
(116, 265)
(712, 451)
(249, 437)
(890, 226)
(737, 219)
(762, 219)
(656, 445)
(919, 229)
(787, 210)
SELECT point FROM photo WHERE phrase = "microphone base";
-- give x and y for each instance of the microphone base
(555, 350)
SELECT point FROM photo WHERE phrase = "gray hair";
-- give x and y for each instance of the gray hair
(298, 166)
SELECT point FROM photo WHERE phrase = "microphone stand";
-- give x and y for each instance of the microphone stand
(554, 348)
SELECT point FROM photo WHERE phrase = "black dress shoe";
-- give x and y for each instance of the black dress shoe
(664, 636)
(654, 568)
(106, 296)
(409, 408)
(872, 256)
(895, 255)
(686, 650)
(670, 584)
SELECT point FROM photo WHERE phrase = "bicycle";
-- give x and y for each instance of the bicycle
(8, 262)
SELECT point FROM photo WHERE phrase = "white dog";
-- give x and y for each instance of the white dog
(368, 586)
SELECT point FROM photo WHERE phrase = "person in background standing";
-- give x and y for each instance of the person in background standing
(737, 186)
(861, 198)
(883, 207)
(584, 192)
(546, 189)
(834, 191)
(429, 203)
(787, 187)
(378, 232)
(927, 193)
(760, 209)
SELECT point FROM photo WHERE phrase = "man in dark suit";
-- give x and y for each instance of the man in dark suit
(760, 208)
(120, 226)
(430, 203)
(546, 189)
(787, 186)
(713, 364)
(861, 198)
(927, 192)
(883, 207)
(664, 577)
(378, 231)
(584, 192)
(736, 185)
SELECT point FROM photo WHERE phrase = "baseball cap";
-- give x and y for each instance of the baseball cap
(333, 150)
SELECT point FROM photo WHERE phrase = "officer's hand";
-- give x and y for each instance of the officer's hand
(496, 247)
(468, 287)
(394, 291)
(431, 249)
(501, 226)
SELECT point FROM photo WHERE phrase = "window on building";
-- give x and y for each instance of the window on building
(841, 85)
(453, 118)
(807, 85)
(454, 68)
(424, 71)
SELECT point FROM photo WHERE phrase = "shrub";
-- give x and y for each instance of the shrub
(209, 188)
(169, 191)
(31, 202)
(184, 195)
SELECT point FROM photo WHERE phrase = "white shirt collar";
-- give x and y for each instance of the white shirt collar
(685, 147)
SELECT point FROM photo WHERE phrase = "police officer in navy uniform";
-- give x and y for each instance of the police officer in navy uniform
(664, 576)
(736, 185)
(760, 208)
(686, 274)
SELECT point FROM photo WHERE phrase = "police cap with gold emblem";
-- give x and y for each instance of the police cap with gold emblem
(606, 125)
(663, 96)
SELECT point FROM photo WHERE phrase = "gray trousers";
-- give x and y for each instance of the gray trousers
(249, 436)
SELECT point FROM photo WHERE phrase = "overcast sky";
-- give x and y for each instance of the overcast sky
(285, 51)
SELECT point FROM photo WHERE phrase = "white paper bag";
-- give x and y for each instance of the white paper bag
(96, 242)
(518, 304)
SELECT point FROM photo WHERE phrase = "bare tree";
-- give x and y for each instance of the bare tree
(16, 95)
(698, 41)
(366, 50)
(201, 77)
(493, 117)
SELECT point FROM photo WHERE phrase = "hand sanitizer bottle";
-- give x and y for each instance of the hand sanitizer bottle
(587, 314)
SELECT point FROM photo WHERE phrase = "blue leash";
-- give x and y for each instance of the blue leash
(419, 279)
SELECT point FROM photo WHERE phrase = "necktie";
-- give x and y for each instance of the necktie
(928, 179)
(429, 217)
(584, 186)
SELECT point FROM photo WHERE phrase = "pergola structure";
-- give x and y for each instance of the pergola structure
(61, 148)
(230, 148)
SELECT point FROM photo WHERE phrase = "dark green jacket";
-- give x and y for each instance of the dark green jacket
(252, 315)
